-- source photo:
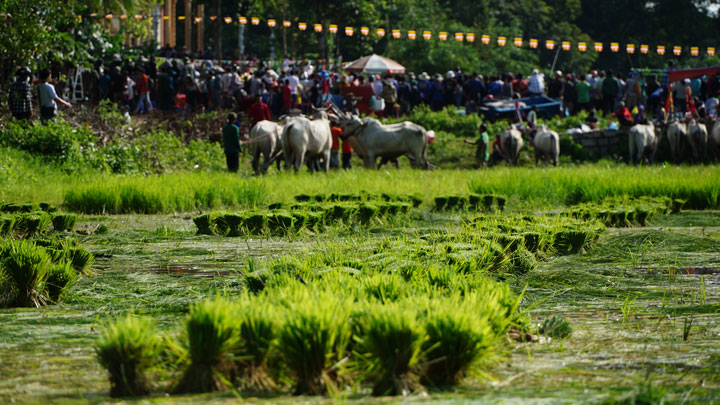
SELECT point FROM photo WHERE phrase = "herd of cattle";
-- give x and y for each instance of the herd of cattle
(300, 140)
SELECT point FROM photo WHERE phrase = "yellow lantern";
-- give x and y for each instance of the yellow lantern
(711, 51)
(271, 23)
(364, 30)
(470, 37)
(255, 21)
(614, 46)
(287, 24)
(518, 42)
(197, 19)
(412, 34)
(644, 49)
(333, 28)
(533, 43)
(302, 26)
(318, 27)
(502, 41)
(661, 50)
(380, 32)
(138, 16)
(677, 51)
(582, 46)
(396, 34)
(108, 16)
(565, 45)
(349, 31)
(427, 35)
(598, 46)
(443, 35)
(242, 20)
(630, 48)
(550, 44)
(459, 36)
(485, 39)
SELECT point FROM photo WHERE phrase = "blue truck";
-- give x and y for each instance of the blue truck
(505, 109)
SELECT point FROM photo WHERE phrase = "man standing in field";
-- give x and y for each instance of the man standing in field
(258, 111)
(48, 97)
(231, 143)
(20, 101)
(482, 153)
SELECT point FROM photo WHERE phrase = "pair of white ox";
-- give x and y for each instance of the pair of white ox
(696, 135)
(299, 139)
(546, 143)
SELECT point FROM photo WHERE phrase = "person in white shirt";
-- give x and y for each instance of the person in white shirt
(377, 85)
(48, 97)
(536, 83)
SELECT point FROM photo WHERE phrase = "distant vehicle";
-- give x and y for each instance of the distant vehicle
(505, 109)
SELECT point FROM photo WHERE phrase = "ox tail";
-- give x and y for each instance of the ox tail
(286, 146)
(555, 149)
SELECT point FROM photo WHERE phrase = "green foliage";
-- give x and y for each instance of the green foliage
(60, 276)
(127, 348)
(257, 338)
(24, 270)
(64, 222)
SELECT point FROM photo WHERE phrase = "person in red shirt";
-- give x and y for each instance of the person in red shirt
(347, 152)
(520, 86)
(258, 111)
(143, 88)
(623, 115)
(336, 132)
(286, 97)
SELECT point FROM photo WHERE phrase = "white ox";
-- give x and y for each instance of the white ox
(307, 139)
(642, 143)
(698, 139)
(676, 135)
(547, 145)
(512, 143)
(714, 140)
(373, 139)
(266, 138)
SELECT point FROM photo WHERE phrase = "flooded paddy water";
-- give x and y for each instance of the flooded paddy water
(643, 304)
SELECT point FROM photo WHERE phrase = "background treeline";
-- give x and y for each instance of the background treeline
(49, 31)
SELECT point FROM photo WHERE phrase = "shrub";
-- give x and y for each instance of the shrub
(391, 342)
(127, 348)
(64, 222)
(211, 338)
(313, 339)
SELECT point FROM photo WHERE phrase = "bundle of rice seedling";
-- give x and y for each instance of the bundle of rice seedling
(385, 288)
(127, 348)
(31, 224)
(81, 259)
(47, 207)
(458, 339)
(7, 224)
(453, 202)
(276, 206)
(60, 276)
(280, 223)
(440, 203)
(313, 340)
(303, 198)
(256, 223)
(366, 212)
(299, 219)
(205, 223)
(391, 344)
(257, 329)
(556, 327)
(64, 222)
(232, 224)
(24, 270)
(211, 338)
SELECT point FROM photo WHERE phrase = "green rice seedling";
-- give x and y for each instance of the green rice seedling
(64, 222)
(25, 270)
(349, 197)
(232, 224)
(10, 208)
(453, 202)
(677, 205)
(320, 197)
(415, 201)
(314, 338)
(47, 207)
(488, 202)
(81, 260)
(532, 241)
(257, 329)
(522, 261)
(500, 201)
(573, 240)
(385, 288)
(211, 338)
(391, 344)
(205, 223)
(256, 223)
(7, 224)
(388, 197)
(441, 203)
(555, 327)
(300, 218)
(276, 206)
(127, 348)
(280, 223)
(474, 201)
(255, 282)
(458, 339)
(366, 212)
(60, 276)
(303, 198)
(32, 224)
(315, 221)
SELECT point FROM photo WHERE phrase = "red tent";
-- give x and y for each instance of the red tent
(678, 75)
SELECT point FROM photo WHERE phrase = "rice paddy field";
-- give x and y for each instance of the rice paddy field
(593, 283)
